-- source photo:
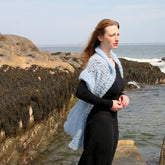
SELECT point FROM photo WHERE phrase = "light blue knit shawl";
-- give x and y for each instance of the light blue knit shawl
(99, 76)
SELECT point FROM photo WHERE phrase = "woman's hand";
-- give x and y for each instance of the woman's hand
(124, 100)
(116, 106)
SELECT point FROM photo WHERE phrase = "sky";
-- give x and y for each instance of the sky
(71, 22)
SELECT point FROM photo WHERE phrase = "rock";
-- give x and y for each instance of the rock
(18, 51)
(127, 154)
(141, 73)
(73, 59)
(133, 84)
(1, 38)
(36, 88)
(163, 59)
(23, 148)
(162, 154)
(42, 89)
(16, 45)
(33, 80)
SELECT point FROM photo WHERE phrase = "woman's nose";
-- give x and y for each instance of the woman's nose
(117, 38)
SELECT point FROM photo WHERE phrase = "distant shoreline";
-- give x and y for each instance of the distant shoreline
(84, 44)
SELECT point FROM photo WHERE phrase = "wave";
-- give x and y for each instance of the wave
(133, 83)
(154, 61)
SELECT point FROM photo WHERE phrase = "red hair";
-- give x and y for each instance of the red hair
(94, 42)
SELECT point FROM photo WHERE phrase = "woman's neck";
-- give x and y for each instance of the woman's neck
(105, 50)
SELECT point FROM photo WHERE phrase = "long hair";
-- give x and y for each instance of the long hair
(94, 42)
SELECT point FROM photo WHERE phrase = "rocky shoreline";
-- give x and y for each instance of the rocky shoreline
(35, 89)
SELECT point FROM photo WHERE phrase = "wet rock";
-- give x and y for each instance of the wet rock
(162, 154)
(127, 154)
(25, 147)
(133, 84)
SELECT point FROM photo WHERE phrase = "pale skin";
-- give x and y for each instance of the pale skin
(109, 41)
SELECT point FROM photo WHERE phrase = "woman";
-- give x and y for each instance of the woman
(93, 119)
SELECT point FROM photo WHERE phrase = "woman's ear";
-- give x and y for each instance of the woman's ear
(100, 38)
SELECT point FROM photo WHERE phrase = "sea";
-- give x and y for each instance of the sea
(143, 120)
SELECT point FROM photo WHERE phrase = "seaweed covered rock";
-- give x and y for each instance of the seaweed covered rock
(142, 73)
(33, 83)
(42, 89)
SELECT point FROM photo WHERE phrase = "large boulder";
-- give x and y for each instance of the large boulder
(18, 51)
(15, 45)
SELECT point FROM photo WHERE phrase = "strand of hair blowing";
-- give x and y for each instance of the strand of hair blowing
(90, 48)
(94, 42)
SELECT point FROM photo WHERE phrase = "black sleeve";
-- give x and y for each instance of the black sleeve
(122, 93)
(84, 94)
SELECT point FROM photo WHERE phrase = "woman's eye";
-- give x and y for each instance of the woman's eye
(111, 35)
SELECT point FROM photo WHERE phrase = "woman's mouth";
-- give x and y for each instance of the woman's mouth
(115, 44)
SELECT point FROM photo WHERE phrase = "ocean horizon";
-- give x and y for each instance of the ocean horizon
(84, 44)
(140, 52)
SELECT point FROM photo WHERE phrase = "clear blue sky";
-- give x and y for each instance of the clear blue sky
(72, 21)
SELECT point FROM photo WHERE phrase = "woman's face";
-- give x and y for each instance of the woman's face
(110, 38)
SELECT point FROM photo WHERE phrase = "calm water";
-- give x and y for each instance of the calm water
(143, 120)
(141, 51)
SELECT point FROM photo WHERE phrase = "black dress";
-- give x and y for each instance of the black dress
(101, 132)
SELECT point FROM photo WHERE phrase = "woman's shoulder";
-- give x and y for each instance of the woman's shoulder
(97, 59)
(95, 56)
(97, 63)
